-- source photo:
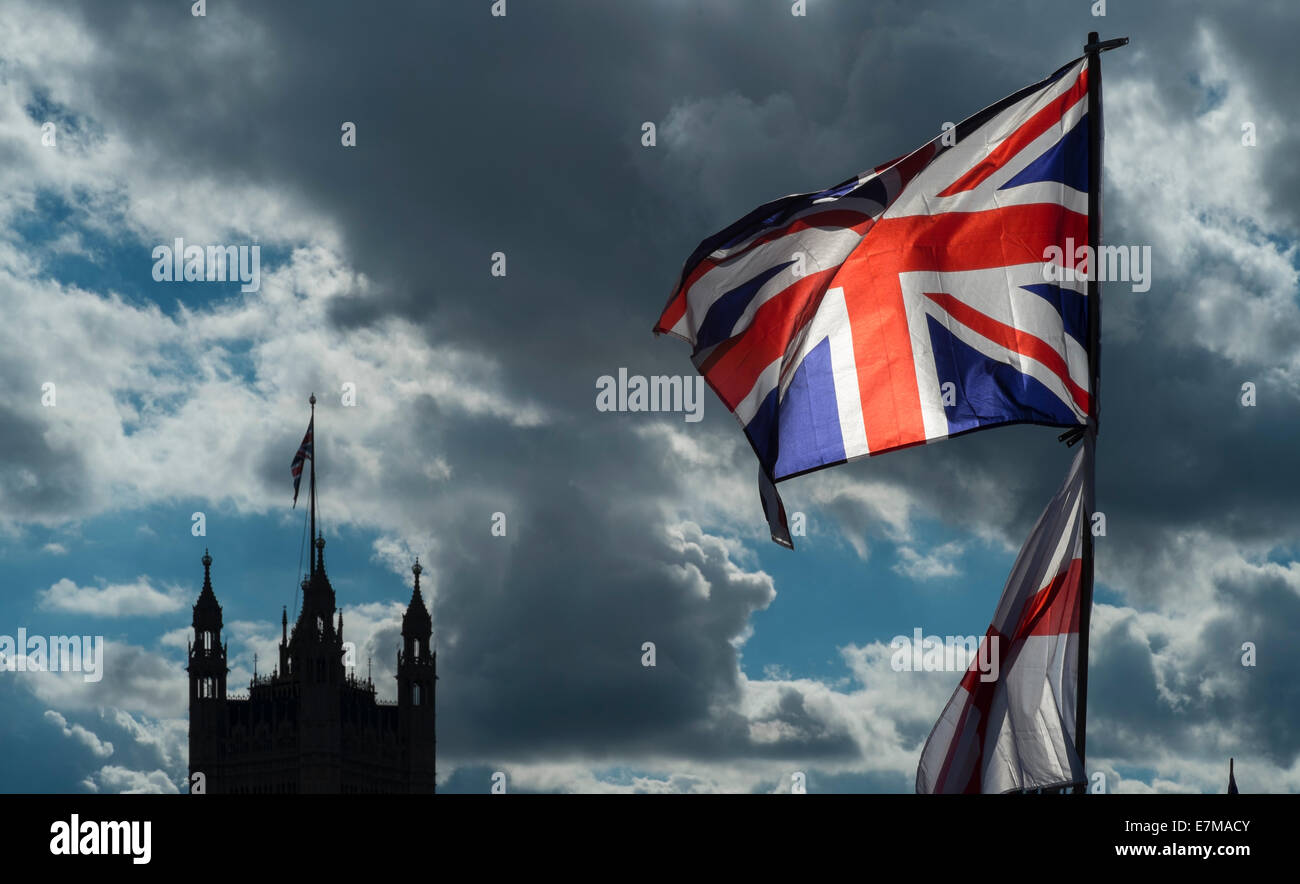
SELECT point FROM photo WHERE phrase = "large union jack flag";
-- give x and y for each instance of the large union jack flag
(908, 304)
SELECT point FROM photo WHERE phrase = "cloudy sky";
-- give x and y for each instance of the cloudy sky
(475, 393)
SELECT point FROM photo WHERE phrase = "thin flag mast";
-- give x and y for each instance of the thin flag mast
(1095, 46)
(311, 540)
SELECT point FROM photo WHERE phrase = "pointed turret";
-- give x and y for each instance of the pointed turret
(207, 612)
(417, 625)
(206, 665)
(417, 679)
(318, 602)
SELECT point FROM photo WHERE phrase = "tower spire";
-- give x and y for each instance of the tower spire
(207, 571)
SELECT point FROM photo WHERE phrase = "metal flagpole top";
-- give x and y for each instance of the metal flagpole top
(1096, 45)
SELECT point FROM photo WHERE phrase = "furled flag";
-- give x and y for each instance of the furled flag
(932, 296)
(1017, 729)
(305, 451)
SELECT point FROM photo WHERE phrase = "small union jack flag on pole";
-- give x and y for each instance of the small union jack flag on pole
(305, 452)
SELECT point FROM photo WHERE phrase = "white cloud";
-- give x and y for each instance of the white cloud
(126, 781)
(133, 679)
(179, 638)
(1218, 246)
(154, 425)
(154, 406)
(139, 598)
(938, 562)
(168, 738)
(100, 748)
(119, 180)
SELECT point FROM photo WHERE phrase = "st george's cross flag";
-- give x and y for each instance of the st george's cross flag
(1017, 730)
(920, 300)
(305, 451)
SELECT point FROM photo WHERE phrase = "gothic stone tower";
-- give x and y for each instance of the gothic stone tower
(417, 676)
(311, 726)
(315, 657)
(207, 668)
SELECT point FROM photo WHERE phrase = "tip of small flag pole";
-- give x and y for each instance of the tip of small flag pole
(1096, 44)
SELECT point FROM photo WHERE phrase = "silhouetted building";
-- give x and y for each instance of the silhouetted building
(310, 726)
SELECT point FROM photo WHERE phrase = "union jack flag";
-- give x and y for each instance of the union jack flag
(911, 303)
(305, 451)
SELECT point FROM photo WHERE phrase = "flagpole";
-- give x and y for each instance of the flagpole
(1092, 50)
(311, 541)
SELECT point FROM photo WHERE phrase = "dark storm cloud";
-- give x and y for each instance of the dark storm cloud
(39, 481)
(541, 631)
(522, 135)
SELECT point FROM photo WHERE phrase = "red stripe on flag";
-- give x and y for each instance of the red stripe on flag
(735, 364)
(672, 314)
(955, 241)
(979, 699)
(882, 344)
(950, 242)
(1022, 137)
(1054, 609)
(831, 219)
(1013, 339)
